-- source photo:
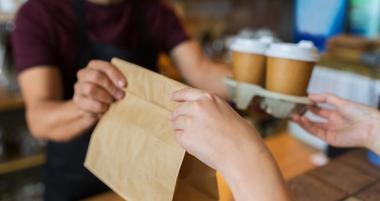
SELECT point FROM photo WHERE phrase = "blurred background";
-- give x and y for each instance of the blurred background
(345, 32)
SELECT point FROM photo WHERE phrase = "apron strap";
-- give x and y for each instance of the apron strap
(79, 9)
(146, 39)
(82, 38)
(84, 42)
(92, 50)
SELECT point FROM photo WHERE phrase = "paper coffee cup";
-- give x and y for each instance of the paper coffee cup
(289, 67)
(249, 60)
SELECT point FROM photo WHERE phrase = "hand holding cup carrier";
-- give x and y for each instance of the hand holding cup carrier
(278, 73)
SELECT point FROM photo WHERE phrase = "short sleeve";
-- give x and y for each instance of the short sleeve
(167, 28)
(32, 37)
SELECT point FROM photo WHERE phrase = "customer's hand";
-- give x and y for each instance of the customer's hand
(213, 132)
(98, 85)
(208, 128)
(348, 124)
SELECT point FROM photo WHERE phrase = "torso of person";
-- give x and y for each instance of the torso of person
(46, 34)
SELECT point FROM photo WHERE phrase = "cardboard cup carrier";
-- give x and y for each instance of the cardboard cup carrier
(289, 67)
(249, 60)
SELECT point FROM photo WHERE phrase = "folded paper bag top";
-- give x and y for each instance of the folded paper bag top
(133, 148)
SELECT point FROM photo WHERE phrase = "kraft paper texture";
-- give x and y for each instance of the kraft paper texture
(133, 148)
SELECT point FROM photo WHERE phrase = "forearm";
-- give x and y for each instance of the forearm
(376, 147)
(198, 70)
(210, 77)
(373, 139)
(370, 129)
(254, 175)
(57, 120)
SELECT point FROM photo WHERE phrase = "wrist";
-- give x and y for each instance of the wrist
(84, 119)
(255, 175)
(242, 161)
(373, 137)
(248, 145)
(244, 156)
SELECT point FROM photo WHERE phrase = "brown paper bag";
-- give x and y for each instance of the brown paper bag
(133, 148)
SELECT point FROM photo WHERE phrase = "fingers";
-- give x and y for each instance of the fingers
(185, 109)
(96, 77)
(98, 86)
(317, 129)
(189, 94)
(90, 105)
(318, 98)
(327, 98)
(321, 112)
(111, 71)
(182, 123)
(296, 118)
(179, 136)
(97, 93)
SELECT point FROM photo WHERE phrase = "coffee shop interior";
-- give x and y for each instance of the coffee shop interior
(336, 41)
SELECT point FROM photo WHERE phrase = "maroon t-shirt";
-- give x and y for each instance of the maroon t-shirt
(46, 34)
(46, 30)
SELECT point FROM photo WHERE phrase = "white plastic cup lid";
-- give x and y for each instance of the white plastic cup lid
(249, 45)
(303, 51)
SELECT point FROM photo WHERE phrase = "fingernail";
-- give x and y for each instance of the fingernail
(119, 95)
(121, 83)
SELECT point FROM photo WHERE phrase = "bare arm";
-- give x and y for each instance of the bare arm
(47, 115)
(214, 133)
(254, 175)
(198, 70)
(50, 117)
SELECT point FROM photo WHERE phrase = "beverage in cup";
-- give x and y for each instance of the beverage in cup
(249, 60)
(289, 67)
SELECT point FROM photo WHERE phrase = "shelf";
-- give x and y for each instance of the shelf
(357, 68)
(22, 163)
(10, 102)
(22, 185)
(6, 17)
(10, 16)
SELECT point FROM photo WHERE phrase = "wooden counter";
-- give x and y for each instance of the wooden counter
(347, 178)
(292, 156)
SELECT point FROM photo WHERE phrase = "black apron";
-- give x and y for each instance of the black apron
(65, 176)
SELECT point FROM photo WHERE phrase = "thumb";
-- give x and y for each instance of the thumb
(327, 98)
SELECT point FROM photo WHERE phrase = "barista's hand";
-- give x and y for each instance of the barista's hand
(98, 85)
(208, 128)
(347, 125)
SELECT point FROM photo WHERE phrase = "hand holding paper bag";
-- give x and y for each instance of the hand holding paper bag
(98, 86)
(208, 128)
(133, 148)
